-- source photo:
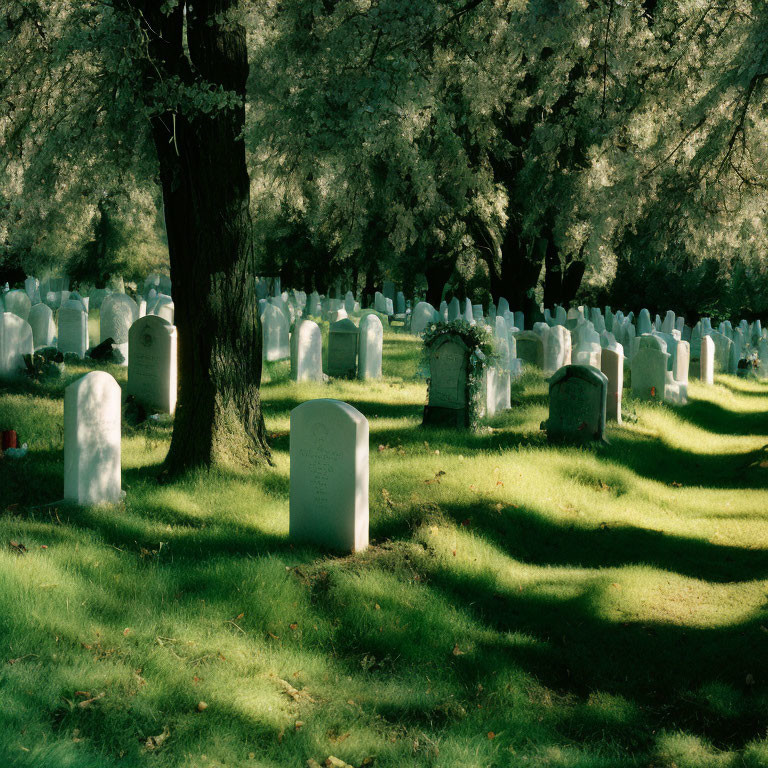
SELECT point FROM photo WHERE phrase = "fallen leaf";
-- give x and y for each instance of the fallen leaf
(294, 625)
(491, 735)
(126, 631)
(298, 724)
(335, 762)
(18, 547)
(155, 742)
(201, 706)
(456, 651)
(87, 703)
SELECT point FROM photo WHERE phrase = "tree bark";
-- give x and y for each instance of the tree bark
(206, 196)
(437, 273)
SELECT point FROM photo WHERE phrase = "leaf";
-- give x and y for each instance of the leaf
(491, 735)
(456, 651)
(155, 742)
(87, 703)
(18, 547)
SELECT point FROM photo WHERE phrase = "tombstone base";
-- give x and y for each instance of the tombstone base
(439, 416)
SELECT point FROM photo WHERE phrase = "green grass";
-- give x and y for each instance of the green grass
(583, 608)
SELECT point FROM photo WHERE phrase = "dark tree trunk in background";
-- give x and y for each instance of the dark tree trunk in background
(437, 272)
(553, 276)
(574, 273)
(206, 196)
(520, 268)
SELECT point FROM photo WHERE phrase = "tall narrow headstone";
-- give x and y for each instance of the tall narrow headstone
(274, 334)
(707, 360)
(307, 352)
(328, 497)
(371, 342)
(612, 366)
(118, 313)
(152, 368)
(92, 439)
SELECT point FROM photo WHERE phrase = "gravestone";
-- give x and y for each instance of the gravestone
(152, 368)
(18, 302)
(328, 497)
(97, 296)
(73, 328)
(467, 315)
(612, 366)
(707, 360)
(92, 440)
(557, 349)
(454, 310)
(314, 306)
(32, 288)
(682, 363)
(448, 391)
(118, 313)
(423, 315)
(503, 306)
(669, 323)
(723, 352)
(400, 303)
(342, 349)
(15, 342)
(496, 390)
(43, 326)
(586, 348)
(163, 307)
(530, 348)
(371, 340)
(649, 368)
(520, 320)
(307, 352)
(577, 405)
(644, 324)
(274, 334)
(334, 315)
(380, 302)
(349, 302)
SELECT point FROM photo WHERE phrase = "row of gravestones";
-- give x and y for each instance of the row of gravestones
(328, 481)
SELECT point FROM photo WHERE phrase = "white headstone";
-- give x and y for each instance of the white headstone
(15, 342)
(328, 496)
(118, 313)
(307, 352)
(423, 315)
(557, 348)
(152, 368)
(18, 302)
(612, 365)
(92, 439)
(43, 326)
(707, 360)
(370, 348)
(274, 334)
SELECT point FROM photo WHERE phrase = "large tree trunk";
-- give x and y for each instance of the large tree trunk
(437, 273)
(206, 195)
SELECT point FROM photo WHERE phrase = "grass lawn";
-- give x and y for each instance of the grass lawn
(530, 606)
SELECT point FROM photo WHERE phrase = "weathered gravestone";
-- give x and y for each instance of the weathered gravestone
(43, 326)
(577, 405)
(18, 302)
(73, 328)
(32, 288)
(328, 498)
(371, 341)
(651, 379)
(557, 348)
(162, 307)
(530, 348)
(274, 334)
(118, 313)
(342, 349)
(454, 309)
(15, 342)
(644, 324)
(612, 366)
(152, 368)
(307, 352)
(423, 315)
(448, 399)
(723, 352)
(92, 440)
(496, 390)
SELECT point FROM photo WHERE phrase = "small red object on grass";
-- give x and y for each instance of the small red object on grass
(9, 439)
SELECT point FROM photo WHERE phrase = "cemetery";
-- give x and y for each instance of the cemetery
(443, 525)
(383, 384)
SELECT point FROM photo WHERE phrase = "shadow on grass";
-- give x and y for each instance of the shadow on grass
(713, 418)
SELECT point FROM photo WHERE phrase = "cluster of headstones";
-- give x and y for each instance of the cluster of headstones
(288, 332)
(141, 332)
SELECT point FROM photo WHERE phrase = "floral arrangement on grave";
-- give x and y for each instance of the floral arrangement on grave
(457, 355)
